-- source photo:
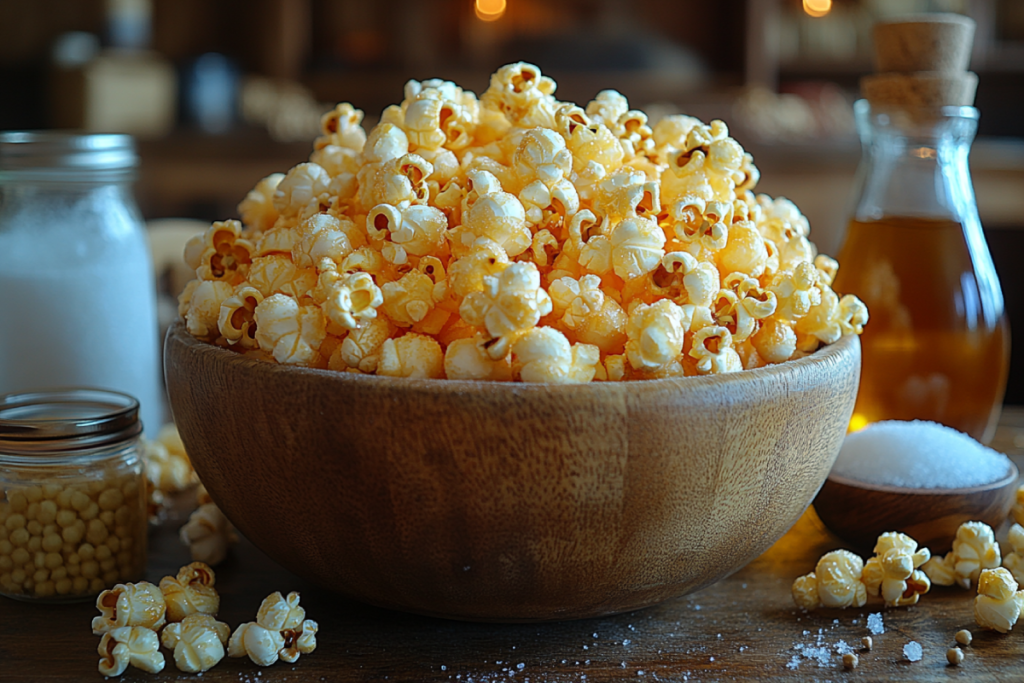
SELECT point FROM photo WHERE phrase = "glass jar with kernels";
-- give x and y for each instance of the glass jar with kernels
(72, 494)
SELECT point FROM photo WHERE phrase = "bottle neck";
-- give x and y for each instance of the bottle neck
(914, 163)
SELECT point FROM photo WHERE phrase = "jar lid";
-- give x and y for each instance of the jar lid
(66, 420)
(39, 152)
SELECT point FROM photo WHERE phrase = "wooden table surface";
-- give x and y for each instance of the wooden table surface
(744, 627)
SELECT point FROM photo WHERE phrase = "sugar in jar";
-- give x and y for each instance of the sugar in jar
(72, 494)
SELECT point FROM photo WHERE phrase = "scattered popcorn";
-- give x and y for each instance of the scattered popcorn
(893, 572)
(954, 656)
(198, 642)
(913, 651)
(133, 604)
(281, 631)
(522, 222)
(850, 660)
(191, 591)
(1014, 561)
(135, 645)
(208, 533)
(998, 603)
(835, 582)
(974, 549)
(167, 463)
(963, 636)
(866, 641)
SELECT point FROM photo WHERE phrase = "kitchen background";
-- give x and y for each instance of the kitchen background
(221, 93)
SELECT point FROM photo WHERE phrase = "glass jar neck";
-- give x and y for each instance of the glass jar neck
(914, 162)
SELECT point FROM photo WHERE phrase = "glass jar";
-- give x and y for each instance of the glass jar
(73, 498)
(937, 345)
(78, 304)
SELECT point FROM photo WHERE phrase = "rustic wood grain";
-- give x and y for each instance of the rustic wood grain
(858, 512)
(674, 641)
(509, 502)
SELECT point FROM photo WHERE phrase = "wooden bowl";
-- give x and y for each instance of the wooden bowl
(859, 513)
(510, 502)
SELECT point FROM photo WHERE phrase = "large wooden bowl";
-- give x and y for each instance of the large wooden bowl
(510, 502)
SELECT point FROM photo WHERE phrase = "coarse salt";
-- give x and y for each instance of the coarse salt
(918, 454)
(875, 624)
(913, 651)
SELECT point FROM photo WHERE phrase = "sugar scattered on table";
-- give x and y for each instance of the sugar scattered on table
(913, 651)
(875, 624)
(918, 454)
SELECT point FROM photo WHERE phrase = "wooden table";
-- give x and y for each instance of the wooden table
(744, 627)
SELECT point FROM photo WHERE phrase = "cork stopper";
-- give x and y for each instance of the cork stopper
(922, 61)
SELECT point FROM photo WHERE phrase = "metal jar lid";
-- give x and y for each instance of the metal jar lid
(55, 154)
(66, 420)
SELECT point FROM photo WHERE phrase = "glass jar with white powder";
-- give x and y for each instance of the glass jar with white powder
(77, 294)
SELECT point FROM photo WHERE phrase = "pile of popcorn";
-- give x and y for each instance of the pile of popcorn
(180, 613)
(516, 237)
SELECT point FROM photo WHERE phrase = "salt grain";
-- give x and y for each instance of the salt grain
(912, 651)
(918, 454)
(875, 624)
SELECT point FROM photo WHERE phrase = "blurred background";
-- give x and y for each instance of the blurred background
(221, 93)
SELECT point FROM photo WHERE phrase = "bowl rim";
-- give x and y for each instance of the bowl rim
(1001, 483)
(826, 355)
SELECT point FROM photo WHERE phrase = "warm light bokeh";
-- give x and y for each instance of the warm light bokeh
(816, 8)
(490, 10)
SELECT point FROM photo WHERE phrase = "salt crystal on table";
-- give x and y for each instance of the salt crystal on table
(912, 651)
(875, 624)
(918, 454)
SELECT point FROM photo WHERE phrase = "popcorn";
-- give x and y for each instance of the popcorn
(835, 582)
(166, 463)
(531, 214)
(198, 642)
(190, 592)
(1014, 561)
(893, 572)
(208, 533)
(132, 604)
(974, 549)
(998, 603)
(135, 645)
(281, 630)
(1018, 506)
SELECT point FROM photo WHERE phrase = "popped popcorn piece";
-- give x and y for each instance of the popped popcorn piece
(955, 656)
(208, 534)
(850, 660)
(301, 185)
(468, 359)
(220, 253)
(133, 604)
(974, 549)
(135, 645)
(712, 347)
(655, 334)
(263, 646)
(166, 463)
(293, 333)
(190, 592)
(198, 642)
(411, 355)
(1018, 506)
(1014, 560)
(835, 582)
(893, 572)
(281, 630)
(998, 603)
(867, 643)
(543, 354)
(510, 304)
(257, 209)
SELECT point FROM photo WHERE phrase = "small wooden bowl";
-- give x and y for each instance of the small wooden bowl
(509, 501)
(859, 513)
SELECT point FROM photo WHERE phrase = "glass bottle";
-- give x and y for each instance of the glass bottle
(937, 345)
(72, 494)
(77, 293)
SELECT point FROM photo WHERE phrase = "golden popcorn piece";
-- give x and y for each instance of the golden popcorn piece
(203, 315)
(349, 301)
(509, 304)
(208, 534)
(301, 640)
(974, 549)
(411, 355)
(998, 603)
(835, 582)
(1017, 512)
(341, 127)
(197, 641)
(220, 253)
(190, 592)
(301, 185)
(796, 290)
(712, 348)
(277, 274)
(467, 358)
(132, 604)
(281, 630)
(257, 209)
(1014, 560)
(135, 645)
(593, 317)
(655, 335)
(237, 319)
(320, 236)
(893, 572)
(293, 333)
(543, 354)
(262, 646)
(361, 349)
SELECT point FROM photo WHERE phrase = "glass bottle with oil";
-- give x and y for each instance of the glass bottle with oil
(937, 345)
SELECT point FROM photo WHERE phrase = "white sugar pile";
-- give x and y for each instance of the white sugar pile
(918, 454)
